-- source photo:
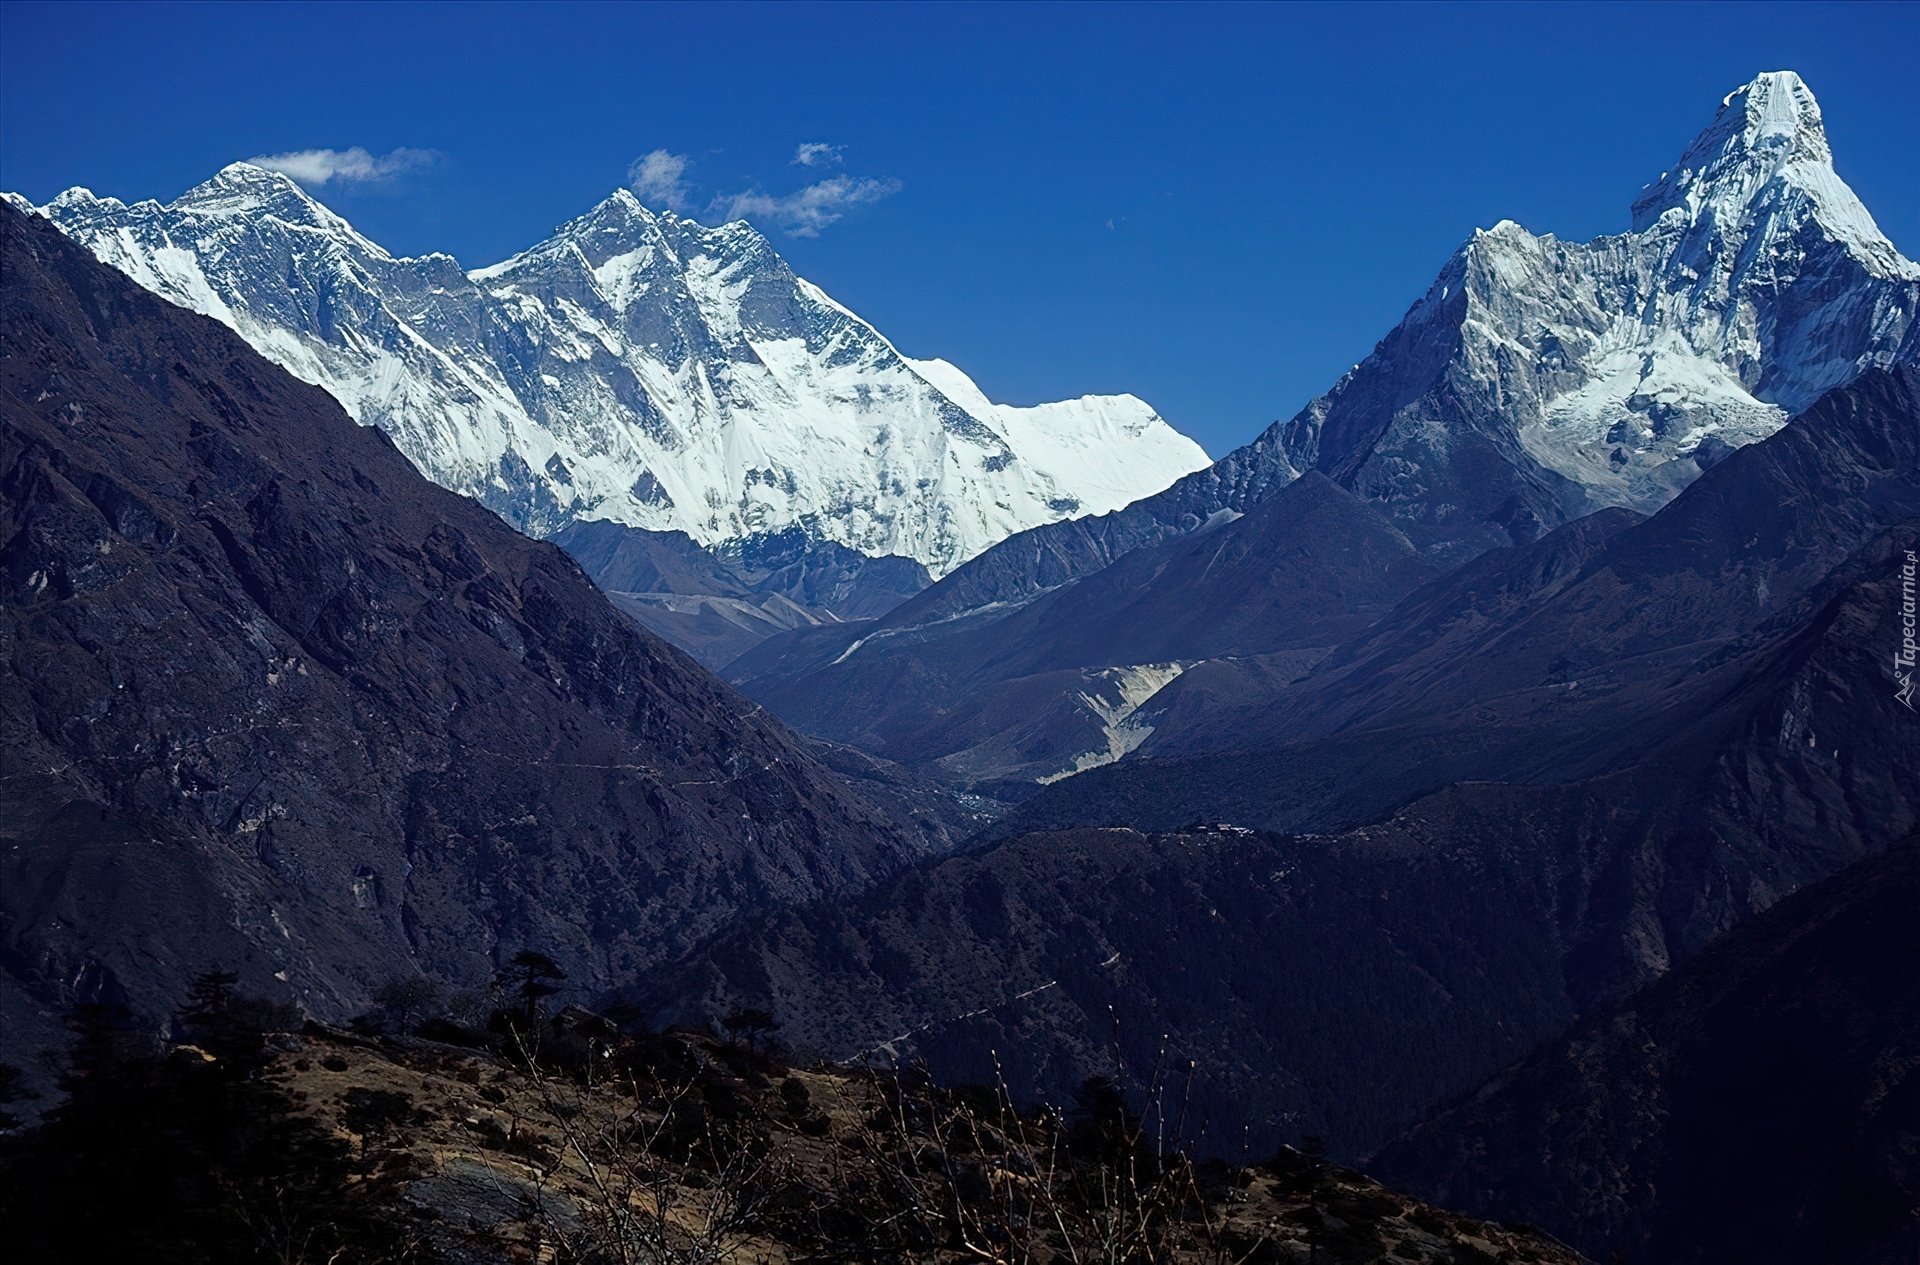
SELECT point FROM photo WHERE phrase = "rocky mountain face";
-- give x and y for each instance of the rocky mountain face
(717, 608)
(1535, 785)
(1760, 1103)
(638, 368)
(275, 703)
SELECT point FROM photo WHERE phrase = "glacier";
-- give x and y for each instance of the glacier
(636, 367)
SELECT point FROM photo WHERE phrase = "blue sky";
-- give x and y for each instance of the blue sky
(1217, 208)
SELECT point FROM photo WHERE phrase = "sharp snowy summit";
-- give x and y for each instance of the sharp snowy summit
(1540, 380)
(636, 367)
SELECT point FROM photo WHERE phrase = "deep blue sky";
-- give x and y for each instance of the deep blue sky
(1281, 182)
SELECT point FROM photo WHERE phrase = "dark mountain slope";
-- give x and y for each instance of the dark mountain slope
(1304, 569)
(1046, 687)
(1771, 761)
(716, 608)
(1562, 660)
(1761, 1103)
(1253, 698)
(1331, 986)
(1768, 762)
(628, 560)
(1773, 757)
(274, 702)
(826, 576)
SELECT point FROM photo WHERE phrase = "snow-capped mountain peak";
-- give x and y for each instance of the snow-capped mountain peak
(1765, 148)
(635, 366)
(241, 188)
(242, 191)
(1539, 380)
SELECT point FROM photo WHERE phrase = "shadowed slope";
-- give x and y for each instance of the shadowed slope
(1761, 1103)
(1045, 688)
(272, 701)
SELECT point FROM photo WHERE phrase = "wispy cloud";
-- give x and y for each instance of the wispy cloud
(660, 178)
(344, 166)
(805, 212)
(816, 154)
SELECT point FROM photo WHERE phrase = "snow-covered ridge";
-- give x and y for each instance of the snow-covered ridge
(1611, 372)
(635, 367)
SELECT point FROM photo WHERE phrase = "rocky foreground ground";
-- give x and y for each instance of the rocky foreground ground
(687, 1147)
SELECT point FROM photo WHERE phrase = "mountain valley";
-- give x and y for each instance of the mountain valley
(1502, 774)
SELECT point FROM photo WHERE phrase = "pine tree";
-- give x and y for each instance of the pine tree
(531, 977)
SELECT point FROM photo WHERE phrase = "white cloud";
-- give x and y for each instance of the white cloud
(659, 178)
(816, 154)
(344, 166)
(805, 212)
